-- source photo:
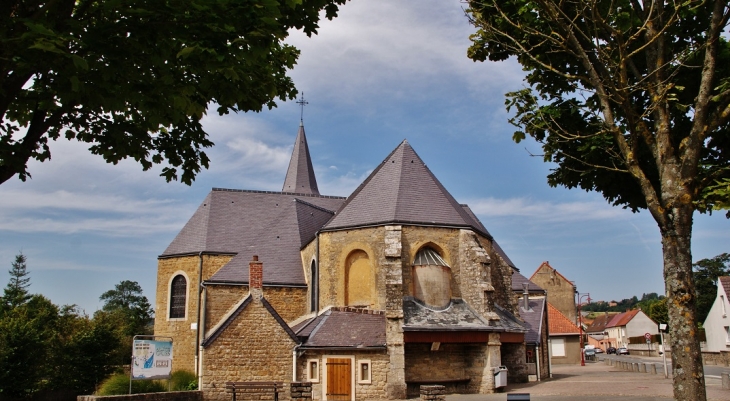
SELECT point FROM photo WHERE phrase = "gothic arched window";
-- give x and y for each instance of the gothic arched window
(178, 296)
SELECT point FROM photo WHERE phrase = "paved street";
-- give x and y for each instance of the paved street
(599, 382)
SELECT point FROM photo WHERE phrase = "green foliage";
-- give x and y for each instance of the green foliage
(659, 312)
(183, 380)
(126, 298)
(706, 272)
(16, 292)
(603, 104)
(26, 338)
(134, 78)
(118, 384)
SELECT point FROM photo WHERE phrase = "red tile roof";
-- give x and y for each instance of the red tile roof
(622, 319)
(725, 283)
(559, 324)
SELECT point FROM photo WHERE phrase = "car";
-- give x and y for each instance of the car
(611, 350)
(599, 351)
(622, 351)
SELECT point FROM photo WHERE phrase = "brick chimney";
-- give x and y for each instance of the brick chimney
(256, 278)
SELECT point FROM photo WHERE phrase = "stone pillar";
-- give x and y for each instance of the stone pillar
(726, 380)
(433, 393)
(393, 266)
(653, 368)
(301, 391)
(642, 367)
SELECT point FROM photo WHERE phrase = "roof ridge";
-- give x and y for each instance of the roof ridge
(254, 191)
(315, 206)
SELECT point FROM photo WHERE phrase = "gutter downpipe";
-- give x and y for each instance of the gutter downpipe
(197, 321)
(537, 360)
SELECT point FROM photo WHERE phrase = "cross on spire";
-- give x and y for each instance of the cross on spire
(302, 103)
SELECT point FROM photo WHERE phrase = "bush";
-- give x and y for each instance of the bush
(119, 384)
(183, 380)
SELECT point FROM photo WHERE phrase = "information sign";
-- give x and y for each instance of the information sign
(151, 359)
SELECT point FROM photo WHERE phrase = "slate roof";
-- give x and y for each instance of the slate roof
(272, 225)
(518, 279)
(559, 324)
(533, 319)
(402, 190)
(457, 316)
(599, 323)
(343, 328)
(300, 174)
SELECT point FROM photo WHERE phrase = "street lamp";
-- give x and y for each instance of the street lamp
(580, 324)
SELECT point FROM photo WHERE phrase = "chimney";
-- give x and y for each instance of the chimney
(526, 296)
(256, 278)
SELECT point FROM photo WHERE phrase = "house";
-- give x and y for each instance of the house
(561, 291)
(717, 323)
(597, 334)
(365, 296)
(633, 323)
(564, 338)
(533, 311)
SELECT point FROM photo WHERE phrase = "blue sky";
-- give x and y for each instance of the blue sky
(382, 72)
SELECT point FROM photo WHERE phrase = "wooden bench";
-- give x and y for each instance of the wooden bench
(244, 388)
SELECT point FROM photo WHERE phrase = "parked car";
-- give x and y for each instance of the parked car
(590, 354)
(599, 351)
(622, 351)
(611, 350)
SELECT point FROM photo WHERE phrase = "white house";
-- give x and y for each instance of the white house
(717, 324)
(633, 323)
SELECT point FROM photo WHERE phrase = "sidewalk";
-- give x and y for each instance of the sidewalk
(598, 382)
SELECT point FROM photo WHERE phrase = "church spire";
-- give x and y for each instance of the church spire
(300, 174)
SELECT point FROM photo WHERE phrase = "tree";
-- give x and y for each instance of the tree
(631, 99)
(134, 78)
(126, 298)
(26, 337)
(706, 272)
(16, 291)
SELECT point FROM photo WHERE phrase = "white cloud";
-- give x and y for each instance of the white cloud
(545, 211)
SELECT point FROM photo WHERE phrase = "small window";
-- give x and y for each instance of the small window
(364, 374)
(178, 297)
(727, 334)
(313, 370)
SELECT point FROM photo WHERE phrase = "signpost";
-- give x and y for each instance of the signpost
(662, 329)
(151, 358)
(648, 341)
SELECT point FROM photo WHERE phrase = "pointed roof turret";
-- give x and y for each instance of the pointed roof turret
(300, 174)
(402, 190)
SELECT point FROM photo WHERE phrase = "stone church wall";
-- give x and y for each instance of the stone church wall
(181, 330)
(248, 352)
(289, 302)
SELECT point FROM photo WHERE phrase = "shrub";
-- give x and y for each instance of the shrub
(118, 384)
(183, 380)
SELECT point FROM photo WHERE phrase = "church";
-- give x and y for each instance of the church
(367, 296)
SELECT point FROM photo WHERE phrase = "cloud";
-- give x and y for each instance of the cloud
(542, 211)
(394, 52)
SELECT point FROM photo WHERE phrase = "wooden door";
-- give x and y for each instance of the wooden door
(339, 379)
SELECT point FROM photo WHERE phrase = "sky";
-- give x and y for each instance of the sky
(381, 72)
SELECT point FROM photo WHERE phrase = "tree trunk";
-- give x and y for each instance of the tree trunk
(689, 378)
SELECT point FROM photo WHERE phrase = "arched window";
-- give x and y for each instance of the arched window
(314, 288)
(178, 296)
(431, 278)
